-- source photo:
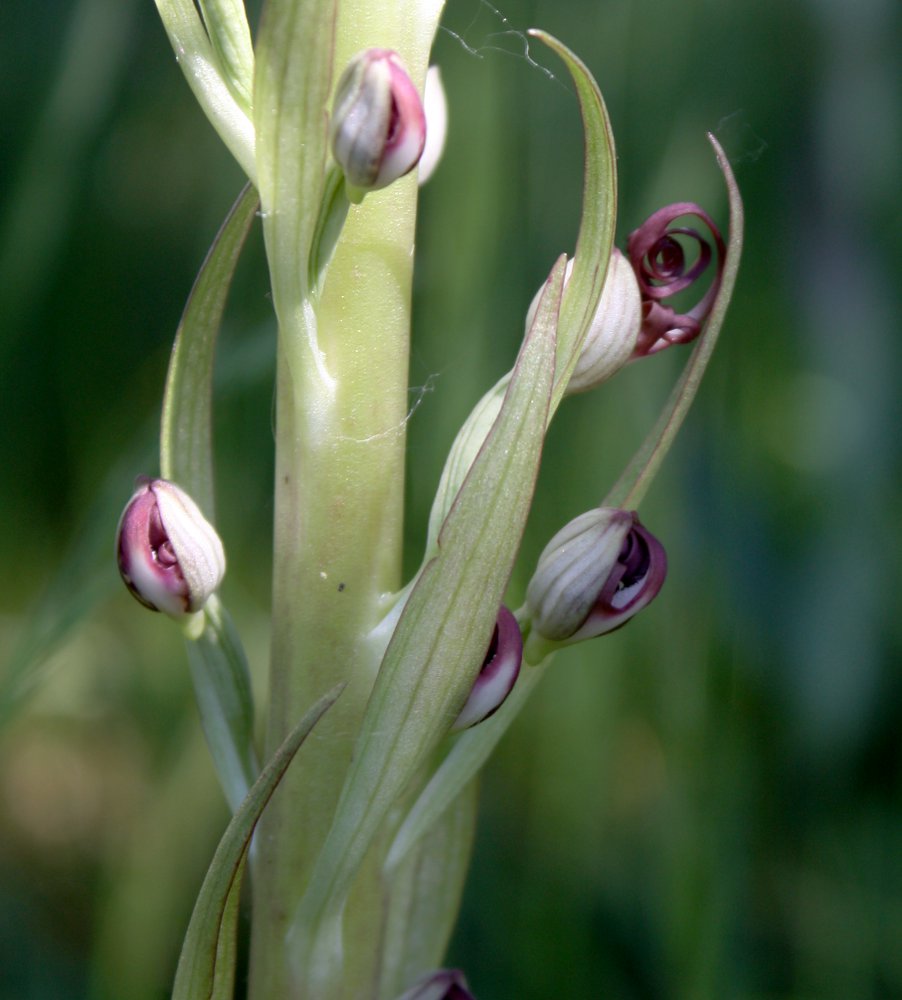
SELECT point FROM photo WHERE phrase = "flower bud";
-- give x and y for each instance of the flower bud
(612, 335)
(170, 556)
(500, 670)
(657, 253)
(378, 122)
(435, 105)
(594, 575)
(446, 984)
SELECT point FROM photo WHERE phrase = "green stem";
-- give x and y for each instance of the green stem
(341, 412)
(338, 514)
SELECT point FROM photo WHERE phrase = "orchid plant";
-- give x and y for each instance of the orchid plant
(356, 851)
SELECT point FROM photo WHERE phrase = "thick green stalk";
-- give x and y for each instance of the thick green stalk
(340, 437)
(338, 508)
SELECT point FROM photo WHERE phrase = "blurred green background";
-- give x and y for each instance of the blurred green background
(707, 804)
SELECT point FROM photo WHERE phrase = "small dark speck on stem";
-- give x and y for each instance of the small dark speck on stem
(341, 587)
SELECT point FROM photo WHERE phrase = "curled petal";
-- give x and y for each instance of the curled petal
(657, 251)
(169, 555)
(499, 672)
(378, 124)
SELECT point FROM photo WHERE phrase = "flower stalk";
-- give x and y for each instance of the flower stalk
(358, 860)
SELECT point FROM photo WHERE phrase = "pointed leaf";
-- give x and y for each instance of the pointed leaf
(185, 435)
(200, 64)
(293, 90)
(226, 23)
(423, 897)
(599, 215)
(199, 974)
(632, 485)
(441, 637)
(583, 291)
(470, 751)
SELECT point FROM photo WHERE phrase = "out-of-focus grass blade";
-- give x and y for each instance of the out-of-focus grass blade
(633, 483)
(441, 637)
(206, 965)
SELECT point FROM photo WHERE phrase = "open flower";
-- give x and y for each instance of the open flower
(169, 555)
(378, 122)
(594, 575)
(500, 670)
(657, 251)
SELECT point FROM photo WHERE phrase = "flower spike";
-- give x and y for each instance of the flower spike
(378, 122)
(594, 575)
(658, 258)
(499, 672)
(169, 555)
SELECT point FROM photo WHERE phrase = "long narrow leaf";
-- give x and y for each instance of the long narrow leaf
(219, 667)
(291, 99)
(583, 291)
(199, 974)
(186, 440)
(222, 687)
(200, 64)
(226, 23)
(599, 215)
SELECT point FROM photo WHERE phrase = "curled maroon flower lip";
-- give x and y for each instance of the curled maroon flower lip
(657, 251)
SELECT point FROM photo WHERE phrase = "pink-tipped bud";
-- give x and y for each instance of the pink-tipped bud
(594, 575)
(499, 672)
(378, 122)
(170, 556)
(446, 984)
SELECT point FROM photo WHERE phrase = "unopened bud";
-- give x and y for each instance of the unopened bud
(446, 984)
(435, 104)
(611, 339)
(499, 672)
(170, 556)
(594, 575)
(378, 122)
